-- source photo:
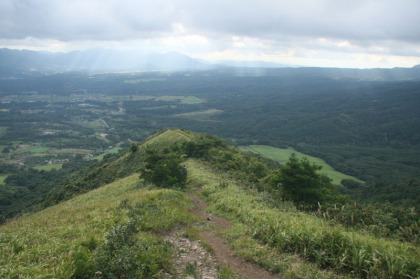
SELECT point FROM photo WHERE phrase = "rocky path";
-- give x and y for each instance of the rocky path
(192, 260)
(222, 254)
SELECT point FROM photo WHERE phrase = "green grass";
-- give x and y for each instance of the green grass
(188, 100)
(114, 150)
(159, 107)
(3, 177)
(191, 100)
(168, 138)
(33, 150)
(49, 167)
(43, 244)
(281, 155)
(96, 124)
(201, 115)
(3, 130)
(286, 231)
(143, 80)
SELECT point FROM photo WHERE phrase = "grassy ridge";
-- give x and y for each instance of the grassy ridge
(167, 138)
(312, 238)
(42, 245)
(38, 245)
(281, 155)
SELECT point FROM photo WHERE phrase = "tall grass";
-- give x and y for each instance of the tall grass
(308, 236)
(43, 245)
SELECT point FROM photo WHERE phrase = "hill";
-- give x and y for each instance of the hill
(131, 225)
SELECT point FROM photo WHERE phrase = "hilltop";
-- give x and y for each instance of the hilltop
(134, 213)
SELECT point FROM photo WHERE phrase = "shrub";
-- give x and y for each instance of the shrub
(84, 264)
(123, 255)
(164, 171)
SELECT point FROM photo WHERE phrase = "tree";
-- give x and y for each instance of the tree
(133, 147)
(300, 181)
(164, 171)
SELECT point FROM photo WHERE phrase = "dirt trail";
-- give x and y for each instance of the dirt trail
(224, 255)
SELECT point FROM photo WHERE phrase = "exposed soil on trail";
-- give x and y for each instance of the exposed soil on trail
(222, 252)
(192, 260)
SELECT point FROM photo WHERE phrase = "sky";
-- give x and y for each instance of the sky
(324, 33)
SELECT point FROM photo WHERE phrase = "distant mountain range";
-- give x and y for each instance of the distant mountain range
(94, 60)
(18, 62)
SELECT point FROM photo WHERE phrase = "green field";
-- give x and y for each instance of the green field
(281, 156)
(141, 80)
(159, 107)
(188, 100)
(201, 115)
(109, 151)
(50, 167)
(33, 150)
(2, 178)
(115, 150)
(3, 131)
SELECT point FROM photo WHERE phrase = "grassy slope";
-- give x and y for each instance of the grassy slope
(280, 239)
(41, 245)
(282, 155)
(129, 162)
(38, 245)
(284, 230)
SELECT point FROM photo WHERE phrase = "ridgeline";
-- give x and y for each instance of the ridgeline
(125, 217)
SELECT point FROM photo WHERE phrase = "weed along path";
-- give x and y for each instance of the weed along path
(222, 252)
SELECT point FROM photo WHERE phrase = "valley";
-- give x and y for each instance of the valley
(364, 129)
(70, 141)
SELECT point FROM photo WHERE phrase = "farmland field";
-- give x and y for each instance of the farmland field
(281, 155)
(2, 131)
(110, 151)
(202, 115)
(2, 178)
(188, 100)
(50, 167)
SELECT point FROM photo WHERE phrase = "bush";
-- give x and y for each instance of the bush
(84, 264)
(123, 255)
(164, 171)
(300, 182)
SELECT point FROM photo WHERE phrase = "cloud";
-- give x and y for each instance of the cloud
(380, 27)
(116, 19)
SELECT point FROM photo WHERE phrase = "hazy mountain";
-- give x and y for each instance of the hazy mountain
(15, 62)
(253, 64)
(18, 61)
